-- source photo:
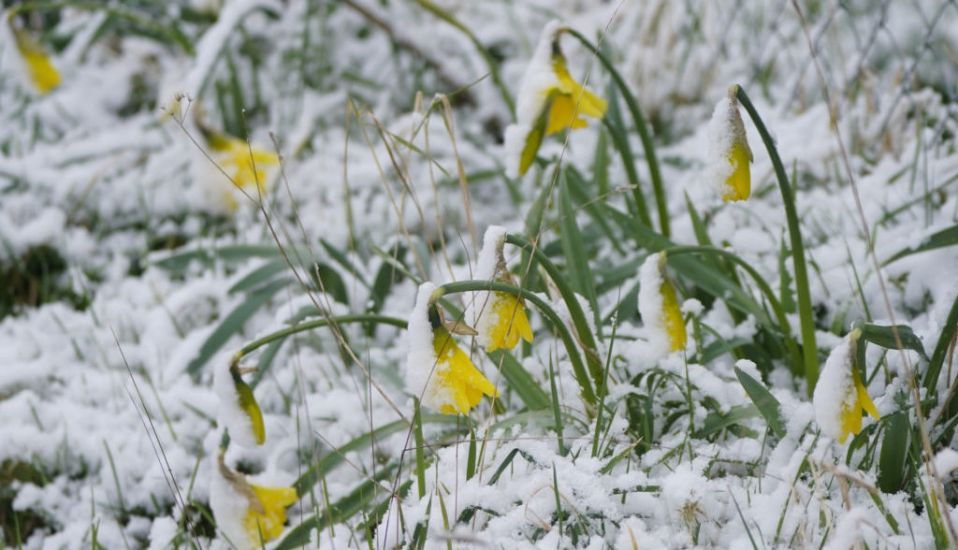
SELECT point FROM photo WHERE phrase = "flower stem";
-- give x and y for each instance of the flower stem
(318, 323)
(809, 349)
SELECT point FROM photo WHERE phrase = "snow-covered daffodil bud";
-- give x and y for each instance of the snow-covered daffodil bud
(249, 515)
(840, 396)
(549, 101)
(499, 317)
(239, 412)
(247, 167)
(729, 153)
(43, 75)
(659, 306)
(437, 370)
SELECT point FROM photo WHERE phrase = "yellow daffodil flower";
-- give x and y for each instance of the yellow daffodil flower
(43, 75)
(248, 515)
(659, 306)
(570, 101)
(246, 169)
(437, 371)
(549, 101)
(456, 376)
(499, 317)
(510, 322)
(729, 150)
(265, 521)
(840, 397)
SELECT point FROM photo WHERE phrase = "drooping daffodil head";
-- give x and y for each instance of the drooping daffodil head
(499, 317)
(238, 410)
(840, 396)
(246, 514)
(729, 153)
(246, 168)
(659, 306)
(549, 100)
(438, 371)
(38, 69)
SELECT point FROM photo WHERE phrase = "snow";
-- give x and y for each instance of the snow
(421, 360)
(92, 171)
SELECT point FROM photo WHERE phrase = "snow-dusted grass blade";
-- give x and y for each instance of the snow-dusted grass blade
(941, 239)
(258, 276)
(766, 403)
(232, 324)
(946, 339)
(324, 465)
(884, 336)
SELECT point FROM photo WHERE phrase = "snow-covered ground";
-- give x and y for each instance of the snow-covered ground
(134, 273)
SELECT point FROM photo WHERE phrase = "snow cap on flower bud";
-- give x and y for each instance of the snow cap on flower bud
(729, 153)
(659, 306)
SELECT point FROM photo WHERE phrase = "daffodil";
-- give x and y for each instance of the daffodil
(549, 101)
(239, 412)
(437, 370)
(42, 74)
(659, 306)
(248, 515)
(840, 397)
(729, 153)
(499, 317)
(245, 166)
(509, 322)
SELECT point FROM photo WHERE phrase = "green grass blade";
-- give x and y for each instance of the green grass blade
(944, 238)
(766, 403)
(521, 382)
(232, 324)
(576, 257)
(658, 189)
(884, 336)
(948, 334)
(805, 313)
(893, 460)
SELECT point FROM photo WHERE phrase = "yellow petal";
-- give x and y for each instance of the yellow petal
(864, 399)
(266, 524)
(738, 185)
(511, 322)
(456, 375)
(672, 316)
(851, 418)
(43, 74)
(563, 114)
(572, 102)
